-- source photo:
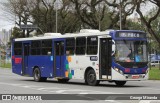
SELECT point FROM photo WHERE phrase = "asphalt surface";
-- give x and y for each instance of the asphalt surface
(14, 84)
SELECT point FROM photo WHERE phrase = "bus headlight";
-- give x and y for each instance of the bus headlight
(116, 69)
(120, 71)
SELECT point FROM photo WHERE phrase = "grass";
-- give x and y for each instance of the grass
(154, 73)
(7, 65)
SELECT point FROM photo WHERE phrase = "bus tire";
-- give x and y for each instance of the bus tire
(37, 76)
(120, 83)
(63, 80)
(91, 78)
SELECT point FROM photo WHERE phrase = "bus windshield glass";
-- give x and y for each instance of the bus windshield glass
(131, 51)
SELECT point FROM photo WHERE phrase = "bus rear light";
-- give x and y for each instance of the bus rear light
(127, 70)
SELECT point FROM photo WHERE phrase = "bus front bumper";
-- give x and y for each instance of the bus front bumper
(128, 77)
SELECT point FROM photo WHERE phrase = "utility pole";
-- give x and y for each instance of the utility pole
(99, 17)
(120, 16)
(56, 6)
(56, 21)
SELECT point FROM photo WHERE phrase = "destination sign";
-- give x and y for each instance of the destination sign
(130, 35)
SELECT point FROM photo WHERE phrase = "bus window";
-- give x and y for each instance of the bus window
(92, 44)
(59, 48)
(36, 48)
(80, 45)
(70, 46)
(18, 48)
(46, 47)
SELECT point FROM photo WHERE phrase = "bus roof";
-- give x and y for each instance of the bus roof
(82, 33)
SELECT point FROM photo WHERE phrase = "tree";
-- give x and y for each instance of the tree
(156, 28)
(21, 10)
(16, 33)
(91, 12)
(148, 21)
(44, 15)
(132, 25)
(94, 12)
(125, 6)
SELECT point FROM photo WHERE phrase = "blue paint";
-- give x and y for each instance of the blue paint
(51, 58)
(132, 70)
(16, 68)
(72, 72)
(44, 62)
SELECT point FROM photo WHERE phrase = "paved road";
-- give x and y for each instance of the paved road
(14, 84)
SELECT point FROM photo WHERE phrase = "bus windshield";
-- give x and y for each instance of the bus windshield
(131, 51)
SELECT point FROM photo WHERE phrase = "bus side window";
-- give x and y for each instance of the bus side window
(18, 48)
(70, 46)
(92, 45)
(36, 47)
(80, 45)
(46, 47)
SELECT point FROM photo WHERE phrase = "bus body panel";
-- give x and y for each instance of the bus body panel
(17, 65)
(60, 66)
(122, 77)
(44, 63)
(78, 65)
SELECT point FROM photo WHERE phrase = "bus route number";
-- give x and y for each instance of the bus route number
(93, 58)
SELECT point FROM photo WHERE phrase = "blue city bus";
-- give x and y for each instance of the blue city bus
(90, 55)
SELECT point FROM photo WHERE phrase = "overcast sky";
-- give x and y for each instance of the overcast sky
(5, 23)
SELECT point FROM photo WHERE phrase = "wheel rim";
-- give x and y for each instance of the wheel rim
(91, 78)
(37, 75)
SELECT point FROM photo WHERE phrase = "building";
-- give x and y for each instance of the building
(5, 50)
(5, 37)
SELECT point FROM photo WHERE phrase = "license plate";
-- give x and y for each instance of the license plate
(135, 76)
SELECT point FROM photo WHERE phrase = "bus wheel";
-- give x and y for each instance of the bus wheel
(37, 76)
(63, 80)
(91, 78)
(120, 83)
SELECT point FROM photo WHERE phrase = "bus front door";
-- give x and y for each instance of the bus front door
(105, 58)
(25, 58)
(58, 59)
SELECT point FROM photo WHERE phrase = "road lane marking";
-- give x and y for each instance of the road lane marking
(49, 88)
(113, 101)
(149, 101)
(10, 84)
(83, 93)
(57, 89)
(151, 88)
(60, 91)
